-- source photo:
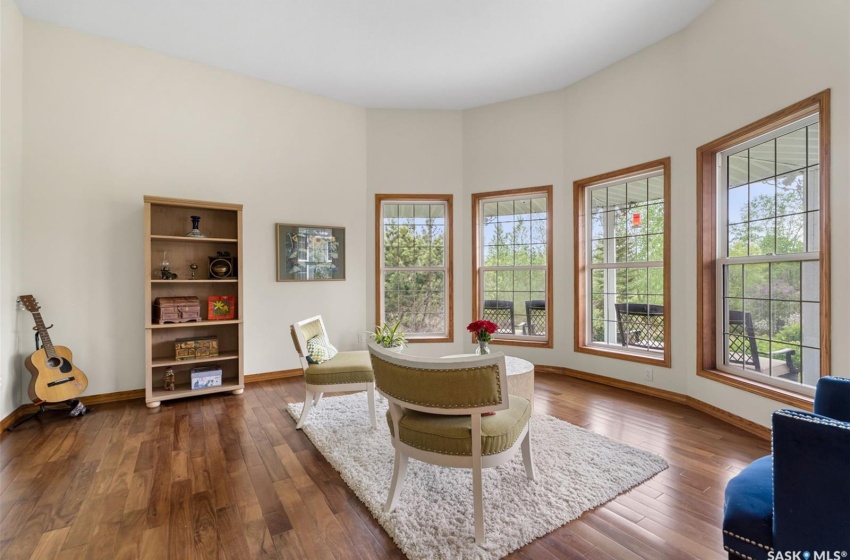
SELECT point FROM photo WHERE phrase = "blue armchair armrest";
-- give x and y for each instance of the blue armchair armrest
(811, 482)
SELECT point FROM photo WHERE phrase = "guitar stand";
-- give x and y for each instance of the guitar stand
(73, 406)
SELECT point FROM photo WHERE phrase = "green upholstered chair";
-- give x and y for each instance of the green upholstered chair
(436, 416)
(347, 371)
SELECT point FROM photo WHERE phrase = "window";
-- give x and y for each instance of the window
(765, 287)
(622, 275)
(414, 265)
(512, 280)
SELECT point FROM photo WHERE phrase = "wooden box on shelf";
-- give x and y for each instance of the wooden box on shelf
(219, 232)
(176, 310)
(195, 348)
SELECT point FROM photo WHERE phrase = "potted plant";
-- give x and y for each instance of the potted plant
(389, 336)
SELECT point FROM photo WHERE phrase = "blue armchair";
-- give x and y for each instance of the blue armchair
(797, 498)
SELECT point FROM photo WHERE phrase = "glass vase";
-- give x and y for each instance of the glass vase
(483, 348)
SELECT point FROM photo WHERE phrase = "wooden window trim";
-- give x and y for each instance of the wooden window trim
(449, 200)
(580, 241)
(707, 244)
(476, 262)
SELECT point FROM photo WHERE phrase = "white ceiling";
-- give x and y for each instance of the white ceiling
(423, 54)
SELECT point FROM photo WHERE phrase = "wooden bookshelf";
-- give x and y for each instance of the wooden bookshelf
(167, 220)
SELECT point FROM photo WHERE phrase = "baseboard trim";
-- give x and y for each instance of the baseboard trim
(747, 425)
(755, 429)
(283, 374)
(114, 397)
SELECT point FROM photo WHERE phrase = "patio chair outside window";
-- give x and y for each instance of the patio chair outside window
(501, 312)
(535, 317)
(641, 325)
(743, 349)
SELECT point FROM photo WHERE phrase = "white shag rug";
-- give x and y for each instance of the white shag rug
(576, 470)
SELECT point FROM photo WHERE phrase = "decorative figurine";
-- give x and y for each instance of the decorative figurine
(194, 267)
(196, 220)
(168, 379)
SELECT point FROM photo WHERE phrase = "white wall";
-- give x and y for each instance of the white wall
(106, 123)
(741, 60)
(514, 145)
(421, 152)
(796, 49)
(11, 186)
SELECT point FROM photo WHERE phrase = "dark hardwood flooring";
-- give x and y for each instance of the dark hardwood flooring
(229, 477)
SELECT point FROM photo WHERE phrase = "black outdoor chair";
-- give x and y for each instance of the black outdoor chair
(501, 312)
(744, 350)
(535, 317)
(640, 324)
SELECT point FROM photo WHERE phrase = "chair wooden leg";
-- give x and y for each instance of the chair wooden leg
(370, 392)
(477, 493)
(478, 498)
(308, 403)
(399, 473)
(527, 458)
(317, 398)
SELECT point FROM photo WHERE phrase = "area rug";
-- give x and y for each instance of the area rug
(576, 470)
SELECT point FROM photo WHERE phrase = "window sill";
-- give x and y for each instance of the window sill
(762, 389)
(430, 339)
(526, 343)
(663, 359)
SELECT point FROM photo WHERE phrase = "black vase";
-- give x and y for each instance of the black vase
(196, 220)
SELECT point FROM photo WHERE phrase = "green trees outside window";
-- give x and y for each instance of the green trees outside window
(513, 263)
(414, 267)
(770, 264)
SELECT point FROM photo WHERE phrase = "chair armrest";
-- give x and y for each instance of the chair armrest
(788, 352)
(811, 486)
(832, 398)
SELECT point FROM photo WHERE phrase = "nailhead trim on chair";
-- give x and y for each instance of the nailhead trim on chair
(746, 540)
(806, 418)
(736, 553)
(498, 386)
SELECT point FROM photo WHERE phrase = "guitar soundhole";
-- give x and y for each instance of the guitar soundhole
(63, 364)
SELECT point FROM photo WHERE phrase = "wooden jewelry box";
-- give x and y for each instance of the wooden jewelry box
(176, 310)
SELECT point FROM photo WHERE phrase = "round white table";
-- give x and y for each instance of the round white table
(520, 375)
(520, 378)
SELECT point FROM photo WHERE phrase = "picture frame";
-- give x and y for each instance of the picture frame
(309, 253)
(221, 308)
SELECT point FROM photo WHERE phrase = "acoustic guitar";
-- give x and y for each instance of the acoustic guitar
(55, 378)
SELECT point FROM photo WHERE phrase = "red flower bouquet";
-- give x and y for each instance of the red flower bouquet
(482, 330)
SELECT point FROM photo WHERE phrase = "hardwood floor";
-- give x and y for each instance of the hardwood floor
(229, 477)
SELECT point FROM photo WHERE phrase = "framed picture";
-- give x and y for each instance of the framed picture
(221, 308)
(306, 253)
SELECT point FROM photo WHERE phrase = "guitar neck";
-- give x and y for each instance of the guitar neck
(45, 336)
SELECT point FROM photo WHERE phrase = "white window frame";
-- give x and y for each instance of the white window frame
(590, 266)
(722, 259)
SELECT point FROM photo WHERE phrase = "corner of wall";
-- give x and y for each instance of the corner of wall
(11, 187)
